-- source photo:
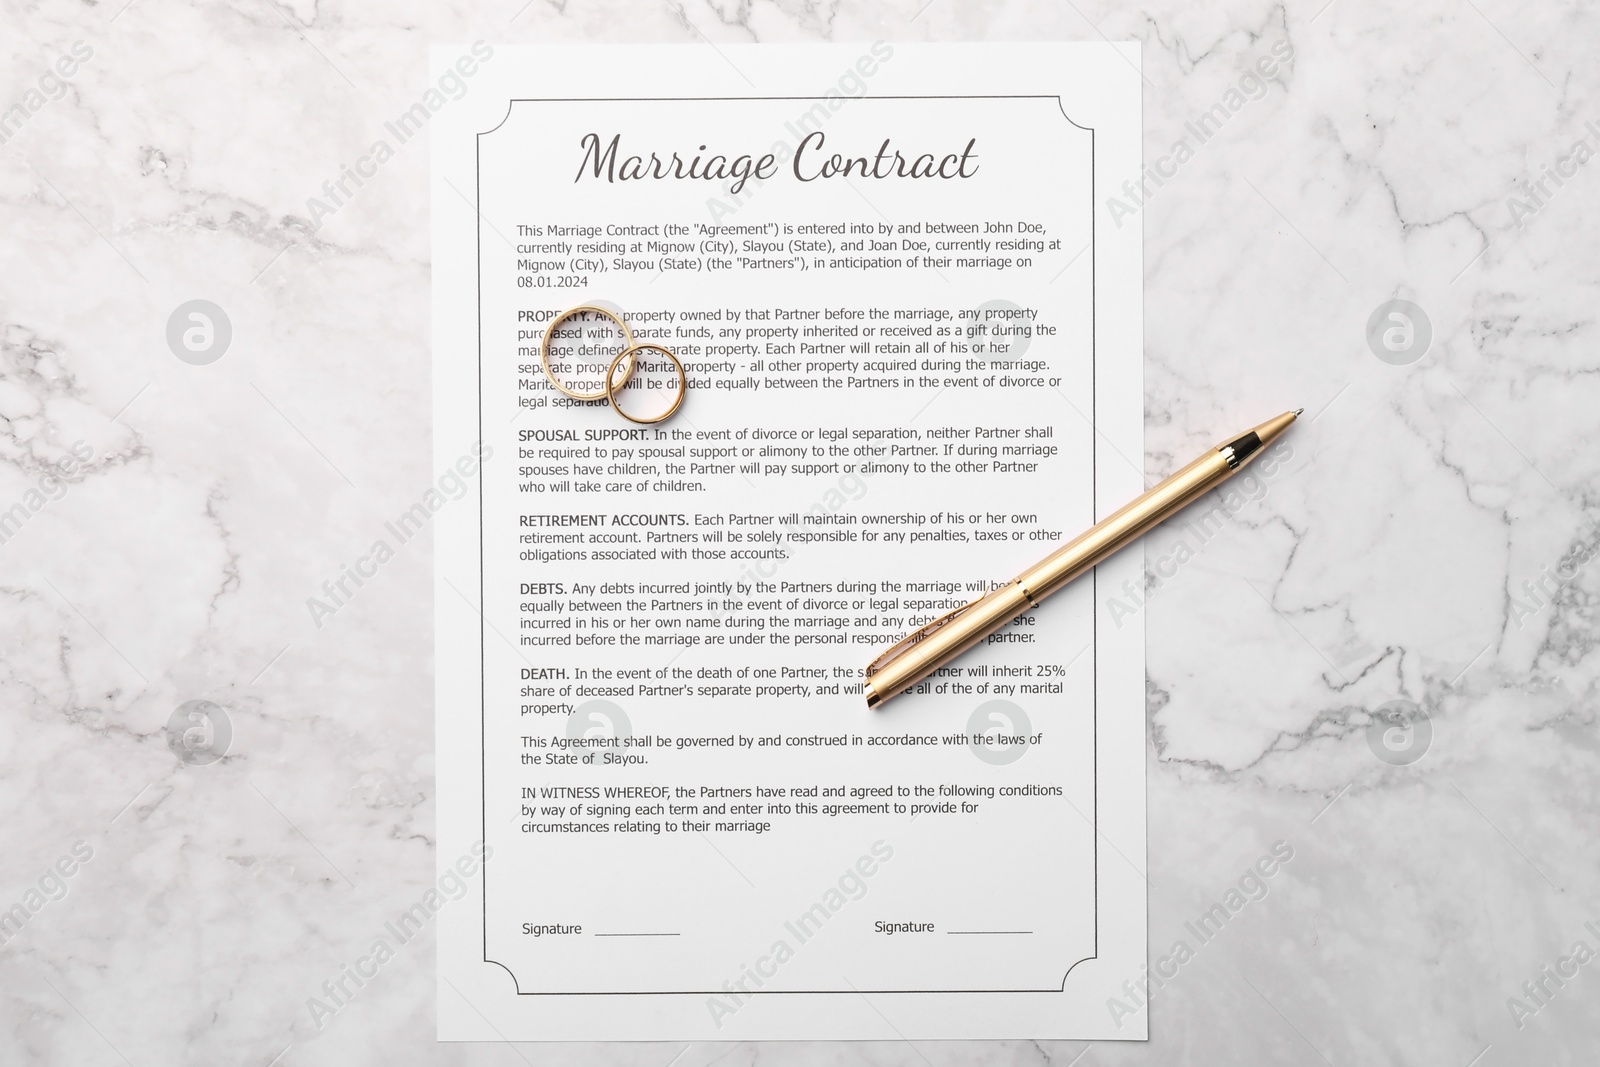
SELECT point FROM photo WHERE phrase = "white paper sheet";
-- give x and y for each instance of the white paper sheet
(914, 356)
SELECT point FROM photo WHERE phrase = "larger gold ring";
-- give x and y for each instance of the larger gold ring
(627, 347)
(611, 388)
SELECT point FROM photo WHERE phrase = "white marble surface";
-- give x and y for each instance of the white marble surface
(1381, 563)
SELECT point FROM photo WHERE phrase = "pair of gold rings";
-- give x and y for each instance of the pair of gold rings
(629, 356)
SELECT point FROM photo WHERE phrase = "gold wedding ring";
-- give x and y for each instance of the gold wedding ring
(612, 386)
(627, 349)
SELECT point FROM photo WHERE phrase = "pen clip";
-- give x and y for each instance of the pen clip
(921, 632)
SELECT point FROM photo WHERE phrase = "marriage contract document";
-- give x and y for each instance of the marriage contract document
(912, 345)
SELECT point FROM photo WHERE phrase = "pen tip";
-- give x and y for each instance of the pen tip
(1298, 412)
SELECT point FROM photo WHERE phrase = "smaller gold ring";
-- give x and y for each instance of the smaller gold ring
(611, 389)
(627, 346)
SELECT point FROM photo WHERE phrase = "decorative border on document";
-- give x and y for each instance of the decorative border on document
(1094, 483)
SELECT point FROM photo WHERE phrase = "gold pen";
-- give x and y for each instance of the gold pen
(925, 650)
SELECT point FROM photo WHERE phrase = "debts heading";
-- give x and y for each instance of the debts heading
(811, 161)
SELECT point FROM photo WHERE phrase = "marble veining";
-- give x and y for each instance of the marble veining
(1411, 547)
